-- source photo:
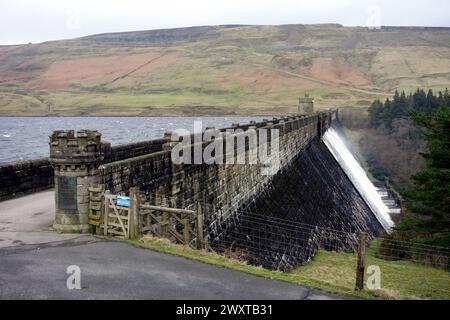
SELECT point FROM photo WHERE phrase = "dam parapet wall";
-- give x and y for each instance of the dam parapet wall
(220, 188)
(24, 177)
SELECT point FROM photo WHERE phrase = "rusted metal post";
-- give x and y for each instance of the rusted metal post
(360, 262)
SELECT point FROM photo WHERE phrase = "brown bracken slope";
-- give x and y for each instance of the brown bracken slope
(220, 70)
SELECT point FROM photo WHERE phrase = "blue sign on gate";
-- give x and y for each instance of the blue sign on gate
(123, 201)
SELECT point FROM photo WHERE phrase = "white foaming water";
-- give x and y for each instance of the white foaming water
(358, 177)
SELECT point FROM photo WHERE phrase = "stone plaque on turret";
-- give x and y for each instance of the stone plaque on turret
(67, 193)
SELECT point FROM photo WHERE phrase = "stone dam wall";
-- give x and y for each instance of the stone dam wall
(308, 188)
(299, 182)
(23, 177)
(312, 190)
(219, 188)
(80, 160)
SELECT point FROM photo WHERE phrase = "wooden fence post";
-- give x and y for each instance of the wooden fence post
(135, 225)
(106, 216)
(186, 235)
(199, 226)
(165, 224)
(360, 268)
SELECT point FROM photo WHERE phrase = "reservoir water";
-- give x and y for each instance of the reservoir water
(24, 138)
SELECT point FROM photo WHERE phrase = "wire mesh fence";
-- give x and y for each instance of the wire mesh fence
(392, 249)
(275, 243)
(281, 244)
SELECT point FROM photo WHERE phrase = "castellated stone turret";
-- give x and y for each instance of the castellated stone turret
(306, 105)
(75, 157)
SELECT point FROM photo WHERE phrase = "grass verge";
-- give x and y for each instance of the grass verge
(332, 272)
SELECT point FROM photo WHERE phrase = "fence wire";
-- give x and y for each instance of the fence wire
(392, 249)
(281, 244)
(275, 243)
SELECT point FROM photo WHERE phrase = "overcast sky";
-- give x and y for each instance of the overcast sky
(23, 21)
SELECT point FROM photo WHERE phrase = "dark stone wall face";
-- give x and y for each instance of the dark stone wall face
(311, 191)
(147, 172)
(131, 150)
(23, 177)
(315, 190)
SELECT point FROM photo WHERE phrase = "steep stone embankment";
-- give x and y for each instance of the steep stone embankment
(312, 191)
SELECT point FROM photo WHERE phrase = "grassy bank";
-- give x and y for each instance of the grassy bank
(333, 272)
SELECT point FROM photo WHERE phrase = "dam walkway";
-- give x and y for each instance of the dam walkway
(27, 221)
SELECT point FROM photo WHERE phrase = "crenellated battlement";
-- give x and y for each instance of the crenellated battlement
(73, 147)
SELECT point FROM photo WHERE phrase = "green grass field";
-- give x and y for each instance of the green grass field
(333, 272)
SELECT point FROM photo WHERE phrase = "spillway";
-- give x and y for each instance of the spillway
(273, 229)
(354, 171)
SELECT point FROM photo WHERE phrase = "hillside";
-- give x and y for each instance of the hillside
(216, 70)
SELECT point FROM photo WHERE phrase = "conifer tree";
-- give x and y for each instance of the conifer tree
(428, 202)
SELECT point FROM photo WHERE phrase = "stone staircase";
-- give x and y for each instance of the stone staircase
(391, 202)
